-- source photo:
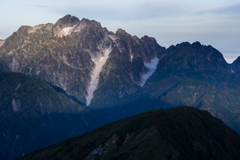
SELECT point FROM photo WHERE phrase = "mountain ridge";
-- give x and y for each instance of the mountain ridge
(71, 52)
(137, 74)
(67, 65)
(179, 133)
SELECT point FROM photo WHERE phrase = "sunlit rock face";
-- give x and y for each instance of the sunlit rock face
(59, 54)
(67, 55)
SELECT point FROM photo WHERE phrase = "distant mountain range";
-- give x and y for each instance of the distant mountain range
(77, 67)
(180, 133)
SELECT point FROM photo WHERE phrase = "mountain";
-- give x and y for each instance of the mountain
(65, 54)
(68, 56)
(179, 133)
(111, 76)
(34, 115)
(187, 74)
(173, 92)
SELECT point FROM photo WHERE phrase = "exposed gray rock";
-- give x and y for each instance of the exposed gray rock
(63, 54)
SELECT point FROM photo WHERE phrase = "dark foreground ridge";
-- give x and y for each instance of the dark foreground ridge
(177, 133)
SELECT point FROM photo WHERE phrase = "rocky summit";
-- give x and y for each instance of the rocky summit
(66, 53)
(77, 67)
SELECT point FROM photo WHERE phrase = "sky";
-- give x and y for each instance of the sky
(215, 22)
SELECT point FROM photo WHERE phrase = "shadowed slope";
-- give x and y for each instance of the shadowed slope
(179, 133)
(33, 115)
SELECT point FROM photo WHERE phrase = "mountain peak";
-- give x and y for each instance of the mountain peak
(67, 21)
(65, 25)
(197, 44)
(121, 31)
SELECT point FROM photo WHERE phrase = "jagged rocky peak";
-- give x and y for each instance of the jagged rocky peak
(183, 44)
(198, 56)
(120, 31)
(39, 27)
(212, 55)
(148, 38)
(151, 45)
(90, 22)
(67, 21)
(197, 44)
(70, 24)
(23, 30)
(65, 25)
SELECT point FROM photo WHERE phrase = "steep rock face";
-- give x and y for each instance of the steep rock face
(65, 25)
(187, 74)
(63, 54)
(62, 61)
(34, 115)
(179, 133)
(122, 74)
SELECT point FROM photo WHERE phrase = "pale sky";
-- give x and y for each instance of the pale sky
(215, 22)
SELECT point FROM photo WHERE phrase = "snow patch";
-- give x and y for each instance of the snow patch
(95, 74)
(11, 52)
(112, 37)
(131, 53)
(68, 30)
(131, 58)
(152, 66)
(16, 104)
(232, 70)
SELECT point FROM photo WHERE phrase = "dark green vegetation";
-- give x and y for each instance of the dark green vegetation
(33, 115)
(179, 133)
